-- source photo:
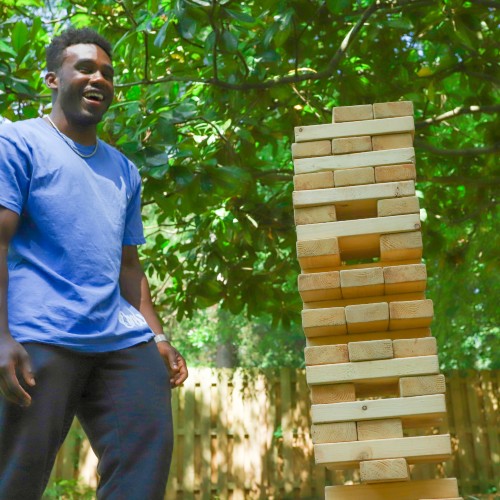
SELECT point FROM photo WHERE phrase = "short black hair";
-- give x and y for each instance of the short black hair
(73, 36)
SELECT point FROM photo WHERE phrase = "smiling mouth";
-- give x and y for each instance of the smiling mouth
(94, 96)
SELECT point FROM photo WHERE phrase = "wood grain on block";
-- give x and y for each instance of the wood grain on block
(392, 141)
(405, 278)
(314, 253)
(410, 314)
(314, 148)
(385, 428)
(354, 160)
(415, 449)
(380, 263)
(367, 317)
(370, 349)
(401, 246)
(328, 321)
(392, 109)
(356, 411)
(364, 227)
(338, 432)
(361, 337)
(354, 176)
(408, 348)
(313, 215)
(354, 128)
(326, 354)
(419, 386)
(317, 180)
(397, 206)
(319, 286)
(352, 113)
(384, 471)
(372, 370)
(404, 490)
(332, 394)
(391, 173)
(362, 282)
(347, 145)
(316, 197)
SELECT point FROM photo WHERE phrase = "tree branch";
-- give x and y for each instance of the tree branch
(461, 180)
(458, 152)
(459, 110)
(285, 80)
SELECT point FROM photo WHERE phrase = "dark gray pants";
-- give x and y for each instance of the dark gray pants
(122, 399)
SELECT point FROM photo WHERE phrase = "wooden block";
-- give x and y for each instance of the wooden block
(313, 215)
(455, 498)
(404, 490)
(332, 394)
(334, 433)
(352, 113)
(319, 286)
(377, 226)
(318, 180)
(392, 109)
(364, 300)
(390, 408)
(361, 337)
(398, 206)
(391, 173)
(326, 354)
(316, 197)
(370, 349)
(354, 160)
(402, 246)
(372, 370)
(354, 176)
(308, 149)
(405, 279)
(415, 449)
(419, 386)
(380, 429)
(354, 128)
(408, 348)
(367, 317)
(328, 321)
(316, 253)
(362, 282)
(346, 145)
(384, 471)
(392, 141)
(410, 314)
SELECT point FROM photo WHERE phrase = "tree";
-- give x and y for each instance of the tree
(208, 93)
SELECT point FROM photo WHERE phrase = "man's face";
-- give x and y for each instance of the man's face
(84, 84)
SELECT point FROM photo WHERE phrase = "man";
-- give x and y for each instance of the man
(76, 318)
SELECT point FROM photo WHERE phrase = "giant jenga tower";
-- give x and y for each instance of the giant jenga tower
(371, 362)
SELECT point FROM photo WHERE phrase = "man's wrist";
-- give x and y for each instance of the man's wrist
(161, 337)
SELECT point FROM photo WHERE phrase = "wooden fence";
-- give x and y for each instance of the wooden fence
(245, 434)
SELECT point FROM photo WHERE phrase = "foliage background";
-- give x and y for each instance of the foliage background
(208, 93)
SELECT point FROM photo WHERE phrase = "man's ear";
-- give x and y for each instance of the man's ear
(51, 80)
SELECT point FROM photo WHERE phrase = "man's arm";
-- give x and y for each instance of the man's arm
(13, 357)
(134, 288)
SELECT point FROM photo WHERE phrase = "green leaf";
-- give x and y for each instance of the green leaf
(19, 36)
(240, 16)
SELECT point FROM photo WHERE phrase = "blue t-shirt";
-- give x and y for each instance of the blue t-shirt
(64, 260)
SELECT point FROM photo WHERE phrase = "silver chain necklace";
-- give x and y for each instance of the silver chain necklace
(69, 143)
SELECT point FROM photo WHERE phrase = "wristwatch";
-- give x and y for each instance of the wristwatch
(160, 337)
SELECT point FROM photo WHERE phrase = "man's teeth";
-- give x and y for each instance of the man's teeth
(94, 95)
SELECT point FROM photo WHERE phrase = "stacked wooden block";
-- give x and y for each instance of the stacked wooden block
(371, 361)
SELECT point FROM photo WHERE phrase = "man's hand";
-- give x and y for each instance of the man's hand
(176, 364)
(13, 360)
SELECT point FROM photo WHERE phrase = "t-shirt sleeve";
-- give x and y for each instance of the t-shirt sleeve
(134, 231)
(15, 173)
